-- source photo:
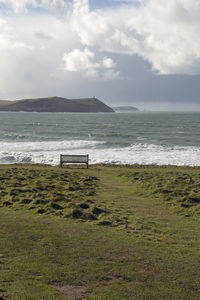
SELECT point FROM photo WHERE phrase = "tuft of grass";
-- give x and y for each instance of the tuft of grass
(45, 190)
(178, 187)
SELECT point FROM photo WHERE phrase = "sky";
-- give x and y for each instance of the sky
(144, 53)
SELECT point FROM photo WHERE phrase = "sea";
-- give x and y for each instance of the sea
(145, 138)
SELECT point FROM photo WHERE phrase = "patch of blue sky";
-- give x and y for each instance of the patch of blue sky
(97, 4)
(3, 7)
(37, 10)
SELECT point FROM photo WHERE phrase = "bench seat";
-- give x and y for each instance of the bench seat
(74, 159)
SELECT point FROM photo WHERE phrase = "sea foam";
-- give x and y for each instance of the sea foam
(99, 152)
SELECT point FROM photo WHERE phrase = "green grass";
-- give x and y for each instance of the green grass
(179, 187)
(5, 102)
(46, 190)
(118, 232)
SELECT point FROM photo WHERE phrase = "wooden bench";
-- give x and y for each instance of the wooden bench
(74, 159)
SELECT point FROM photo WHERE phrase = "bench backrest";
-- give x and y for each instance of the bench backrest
(74, 158)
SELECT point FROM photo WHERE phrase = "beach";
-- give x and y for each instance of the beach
(109, 232)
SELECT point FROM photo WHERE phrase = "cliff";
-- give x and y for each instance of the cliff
(92, 104)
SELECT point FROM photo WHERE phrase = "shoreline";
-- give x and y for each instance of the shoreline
(77, 166)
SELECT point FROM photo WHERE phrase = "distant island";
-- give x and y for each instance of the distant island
(56, 104)
(125, 108)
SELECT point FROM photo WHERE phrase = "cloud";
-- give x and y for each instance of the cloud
(111, 74)
(166, 34)
(78, 60)
(4, 34)
(89, 26)
(18, 5)
(96, 30)
(108, 63)
(29, 65)
(43, 35)
(59, 7)
(7, 38)
(169, 37)
(84, 61)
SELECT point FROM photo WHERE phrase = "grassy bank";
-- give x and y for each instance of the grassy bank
(110, 232)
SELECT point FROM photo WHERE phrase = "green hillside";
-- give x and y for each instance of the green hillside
(5, 102)
(92, 103)
(55, 104)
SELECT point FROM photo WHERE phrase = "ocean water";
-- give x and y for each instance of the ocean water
(159, 138)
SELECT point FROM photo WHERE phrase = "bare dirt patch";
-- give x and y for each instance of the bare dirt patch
(72, 292)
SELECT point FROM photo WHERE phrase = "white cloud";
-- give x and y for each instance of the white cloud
(88, 25)
(95, 29)
(169, 35)
(85, 63)
(78, 60)
(164, 33)
(18, 5)
(59, 7)
(108, 63)
(6, 36)
(29, 65)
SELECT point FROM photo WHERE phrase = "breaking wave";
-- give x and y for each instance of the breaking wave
(99, 152)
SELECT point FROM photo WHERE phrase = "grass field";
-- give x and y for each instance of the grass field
(109, 232)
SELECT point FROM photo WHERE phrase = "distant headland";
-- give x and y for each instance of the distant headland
(56, 104)
(125, 108)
